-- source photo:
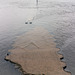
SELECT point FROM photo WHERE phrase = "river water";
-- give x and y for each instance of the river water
(58, 17)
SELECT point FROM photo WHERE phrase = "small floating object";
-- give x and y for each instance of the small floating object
(30, 22)
(26, 22)
(7, 54)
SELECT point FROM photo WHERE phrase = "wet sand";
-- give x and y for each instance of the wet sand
(36, 53)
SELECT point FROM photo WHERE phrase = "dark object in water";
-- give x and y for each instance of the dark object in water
(30, 22)
(26, 22)
(37, 2)
(6, 59)
(64, 67)
(61, 58)
(7, 54)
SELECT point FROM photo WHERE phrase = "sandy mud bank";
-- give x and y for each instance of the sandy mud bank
(36, 53)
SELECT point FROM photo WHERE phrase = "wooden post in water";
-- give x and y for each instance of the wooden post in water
(36, 2)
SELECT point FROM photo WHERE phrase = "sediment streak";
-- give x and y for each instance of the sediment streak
(36, 53)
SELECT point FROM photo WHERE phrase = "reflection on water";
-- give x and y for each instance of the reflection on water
(57, 17)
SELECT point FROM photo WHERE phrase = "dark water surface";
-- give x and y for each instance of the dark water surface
(57, 17)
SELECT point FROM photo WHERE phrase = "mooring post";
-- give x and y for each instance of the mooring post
(37, 2)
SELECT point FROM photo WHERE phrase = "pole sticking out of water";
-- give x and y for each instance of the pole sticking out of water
(36, 2)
